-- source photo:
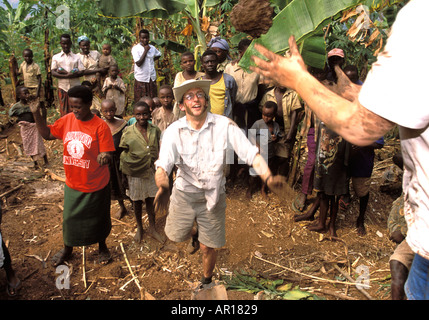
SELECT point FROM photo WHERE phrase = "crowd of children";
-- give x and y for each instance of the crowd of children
(274, 113)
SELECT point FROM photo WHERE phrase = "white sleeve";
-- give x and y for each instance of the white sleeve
(168, 151)
(396, 86)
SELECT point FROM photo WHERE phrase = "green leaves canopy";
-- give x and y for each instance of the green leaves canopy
(146, 9)
(303, 19)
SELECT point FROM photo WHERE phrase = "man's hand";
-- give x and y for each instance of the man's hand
(34, 104)
(163, 195)
(280, 187)
(284, 71)
(161, 200)
(103, 158)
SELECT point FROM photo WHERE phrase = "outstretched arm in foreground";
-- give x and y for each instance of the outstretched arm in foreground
(43, 129)
(163, 193)
(343, 114)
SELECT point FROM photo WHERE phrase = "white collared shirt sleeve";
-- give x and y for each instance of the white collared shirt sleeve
(168, 154)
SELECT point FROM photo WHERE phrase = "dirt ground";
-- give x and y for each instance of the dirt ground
(261, 238)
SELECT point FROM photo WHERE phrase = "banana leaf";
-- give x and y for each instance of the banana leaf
(314, 51)
(301, 18)
(148, 9)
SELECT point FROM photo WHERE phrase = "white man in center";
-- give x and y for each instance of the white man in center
(199, 145)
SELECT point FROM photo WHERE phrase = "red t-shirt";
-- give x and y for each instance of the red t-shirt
(83, 142)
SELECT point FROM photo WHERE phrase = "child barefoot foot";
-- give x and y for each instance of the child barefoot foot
(156, 235)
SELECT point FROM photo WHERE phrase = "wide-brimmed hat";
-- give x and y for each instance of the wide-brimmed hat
(179, 91)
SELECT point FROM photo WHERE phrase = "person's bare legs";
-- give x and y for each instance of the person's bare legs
(360, 223)
(209, 262)
(138, 215)
(399, 274)
(151, 216)
(323, 213)
(310, 214)
(334, 205)
(122, 210)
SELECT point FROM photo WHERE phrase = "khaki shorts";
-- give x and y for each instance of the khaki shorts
(361, 185)
(403, 254)
(187, 208)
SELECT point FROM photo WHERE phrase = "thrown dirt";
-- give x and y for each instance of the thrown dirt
(262, 239)
(254, 17)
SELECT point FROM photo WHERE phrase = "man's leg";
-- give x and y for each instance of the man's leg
(209, 262)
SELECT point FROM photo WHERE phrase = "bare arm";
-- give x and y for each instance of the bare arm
(143, 57)
(343, 114)
(163, 193)
(43, 129)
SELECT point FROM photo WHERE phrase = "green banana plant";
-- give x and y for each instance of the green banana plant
(303, 19)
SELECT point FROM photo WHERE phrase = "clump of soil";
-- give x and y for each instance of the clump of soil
(253, 17)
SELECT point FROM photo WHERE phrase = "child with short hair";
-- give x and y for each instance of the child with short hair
(32, 141)
(331, 179)
(144, 56)
(187, 64)
(106, 59)
(164, 116)
(30, 72)
(117, 127)
(140, 144)
(272, 129)
(114, 89)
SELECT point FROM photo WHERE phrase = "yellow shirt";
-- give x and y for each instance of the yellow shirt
(30, 73)
(217, 97)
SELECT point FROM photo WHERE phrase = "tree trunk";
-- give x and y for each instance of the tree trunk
(13, 69)
(48, 86)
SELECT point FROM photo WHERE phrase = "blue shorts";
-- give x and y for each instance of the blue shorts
(417, 284)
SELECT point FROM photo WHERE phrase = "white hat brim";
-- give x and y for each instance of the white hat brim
(179, 91)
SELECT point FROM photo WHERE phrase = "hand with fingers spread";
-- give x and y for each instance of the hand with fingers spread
(285, 71)
(34, 104)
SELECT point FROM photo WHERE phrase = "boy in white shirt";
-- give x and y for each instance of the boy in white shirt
(144, 56)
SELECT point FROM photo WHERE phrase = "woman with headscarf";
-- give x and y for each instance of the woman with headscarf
(221, 48)
(93, 72)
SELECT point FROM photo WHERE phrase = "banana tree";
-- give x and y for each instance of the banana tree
(13, 22)
(305, 19)
(194, 11)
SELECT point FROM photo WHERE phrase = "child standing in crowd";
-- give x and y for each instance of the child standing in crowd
(114, 89)
(32, 141)
(140, 144)
(31, 74)
(106, 59)
(187, 63)
(117, 127)
(361, 165)
(289, 105)
(272, 132)
(144, 56)
(67, 67)
(331, 178)
(164, 116)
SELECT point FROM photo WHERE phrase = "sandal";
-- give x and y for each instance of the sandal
(104, 257)
(344, 202)
(298, 206)
(60, 257)
(12, 290)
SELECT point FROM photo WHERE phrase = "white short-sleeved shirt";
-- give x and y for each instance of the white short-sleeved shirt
(396, 89)
(201, 155)
(146, 71)
(68, 62)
